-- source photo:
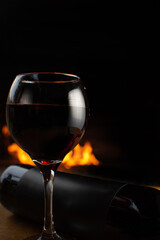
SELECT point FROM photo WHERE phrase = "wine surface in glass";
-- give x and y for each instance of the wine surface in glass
(46, 131)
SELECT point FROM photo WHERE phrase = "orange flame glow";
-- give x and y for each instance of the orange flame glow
(79, 156)
(5, 131)
(17, 152)
(155, 187)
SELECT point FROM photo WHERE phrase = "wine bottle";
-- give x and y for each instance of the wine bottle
(82, 206)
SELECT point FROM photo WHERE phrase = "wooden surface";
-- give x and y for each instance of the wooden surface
(15, 228)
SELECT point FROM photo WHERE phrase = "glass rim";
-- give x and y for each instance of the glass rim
(67, 77)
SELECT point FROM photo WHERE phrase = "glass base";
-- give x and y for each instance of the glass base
(38, 237)
(55, 237)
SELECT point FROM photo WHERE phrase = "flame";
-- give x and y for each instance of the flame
(79, 156)
(17, 152)
(5, 131)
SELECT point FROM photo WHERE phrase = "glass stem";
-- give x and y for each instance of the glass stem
(48, 228)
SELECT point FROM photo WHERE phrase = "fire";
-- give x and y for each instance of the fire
(5, 131)
(79, 156)
(17, 152)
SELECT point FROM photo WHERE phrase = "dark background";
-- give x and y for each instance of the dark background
(103, 42)
(112, 45)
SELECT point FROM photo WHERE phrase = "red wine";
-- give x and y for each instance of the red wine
(46, 132)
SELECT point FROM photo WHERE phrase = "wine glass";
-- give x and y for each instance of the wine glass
(46, 115)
